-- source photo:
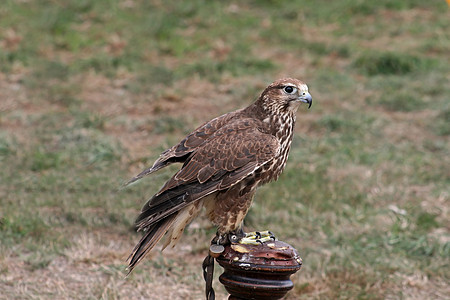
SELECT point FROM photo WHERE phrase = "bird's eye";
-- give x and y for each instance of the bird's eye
(290, 89)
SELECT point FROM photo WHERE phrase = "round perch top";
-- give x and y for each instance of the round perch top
(269, 256)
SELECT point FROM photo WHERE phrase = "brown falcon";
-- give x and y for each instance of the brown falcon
(224, 161)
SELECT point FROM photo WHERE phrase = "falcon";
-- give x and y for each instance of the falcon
(224, 161)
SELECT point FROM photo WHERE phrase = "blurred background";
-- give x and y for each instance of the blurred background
(92, 91)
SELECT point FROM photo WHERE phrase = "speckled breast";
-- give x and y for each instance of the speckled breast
(283, 131)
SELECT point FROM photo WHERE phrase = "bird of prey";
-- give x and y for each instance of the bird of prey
(224, 161)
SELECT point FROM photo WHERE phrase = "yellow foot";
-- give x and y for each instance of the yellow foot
(257, 237)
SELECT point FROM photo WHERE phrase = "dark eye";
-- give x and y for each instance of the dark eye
(289, 89)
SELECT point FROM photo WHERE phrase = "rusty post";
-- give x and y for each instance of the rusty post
(258, 271)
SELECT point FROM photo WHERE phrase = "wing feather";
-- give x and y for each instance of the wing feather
(235, 152)
(181, 151)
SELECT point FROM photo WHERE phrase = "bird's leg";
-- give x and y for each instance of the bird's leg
(220, 239)
(257, 237)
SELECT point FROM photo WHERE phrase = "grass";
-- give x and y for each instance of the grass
(391, 63)
(93, 91)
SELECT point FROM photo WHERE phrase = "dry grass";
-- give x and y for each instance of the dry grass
(93, 268)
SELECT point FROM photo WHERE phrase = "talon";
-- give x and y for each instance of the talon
(269, 234)
(253, 238)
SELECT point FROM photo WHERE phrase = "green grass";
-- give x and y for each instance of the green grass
(391, 63)
(93, 91)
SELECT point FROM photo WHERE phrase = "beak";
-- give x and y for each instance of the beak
(306, 98)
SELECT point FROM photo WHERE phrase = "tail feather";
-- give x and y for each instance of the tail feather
(172, 201)
(149, 240)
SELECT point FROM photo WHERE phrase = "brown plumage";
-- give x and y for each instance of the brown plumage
(224, 160)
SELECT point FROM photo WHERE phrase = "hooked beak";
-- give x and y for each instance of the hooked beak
(306, 98)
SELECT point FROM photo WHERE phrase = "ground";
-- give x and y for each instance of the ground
(92, 92)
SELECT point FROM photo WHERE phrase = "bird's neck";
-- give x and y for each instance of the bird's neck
(275, 123)
(282, 127)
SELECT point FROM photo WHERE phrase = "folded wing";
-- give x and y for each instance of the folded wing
(181, 151)
(227, 157)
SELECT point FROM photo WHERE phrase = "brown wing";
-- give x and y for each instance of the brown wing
(182, 150)
(234, 152)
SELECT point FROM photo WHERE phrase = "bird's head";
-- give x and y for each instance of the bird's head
(284, 96)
